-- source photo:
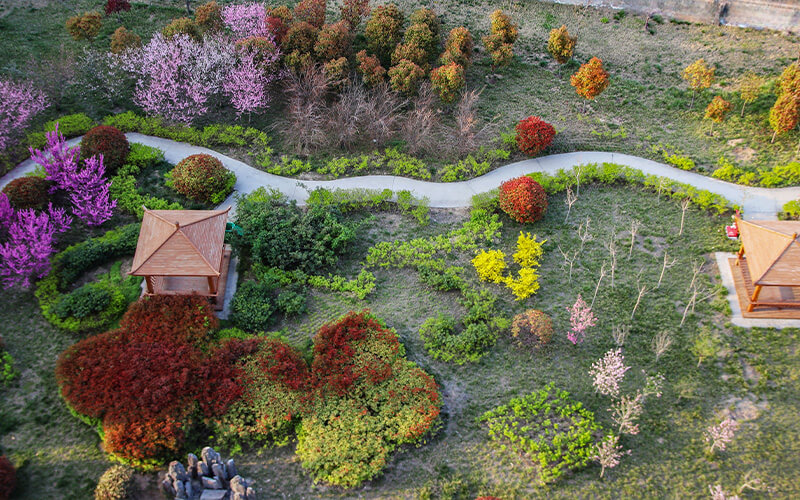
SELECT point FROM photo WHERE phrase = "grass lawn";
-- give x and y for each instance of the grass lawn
(754, 369)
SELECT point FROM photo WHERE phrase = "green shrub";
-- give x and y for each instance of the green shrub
(182, 26)
(445, 342)
(7, 371)
(116, 483)
(384, 30)
(421, 35)
(28, 192)
(83, 302)
(548, 427)
(129, 200)
(406, 77)
(443, 280)
(404, 165)
(202, 177)
(791, 210)
(58, 309)
(140, 158)
(253, 305)
(109, 142)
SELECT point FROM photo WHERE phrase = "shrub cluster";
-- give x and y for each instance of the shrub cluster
(534, 135)
(8, 478)
(256, 302)
(85, 26)
(523, 199)
(123, 39)
(28, 192)
(500, 42)
(202, 177)
(116, 483)
(490, 266)
(532, 328)
(109, 142)
(447, 341)
(548, 427)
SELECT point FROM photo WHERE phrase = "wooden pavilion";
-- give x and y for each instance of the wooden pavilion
(183, 252)
(766, 270)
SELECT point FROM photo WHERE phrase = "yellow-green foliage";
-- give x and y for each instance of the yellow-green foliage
(490, 266)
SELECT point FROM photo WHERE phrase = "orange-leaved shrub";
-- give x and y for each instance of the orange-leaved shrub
(183, 26)
(370, 69)
(384, 30)
(278, 21)
(333, 41)
(109, 142)
(123, 39)
(447, 81)
(458, 47)
(531, 328)
(85, 26)
(406, 77)
(534, 135)
(311, 12)
(209, 17)
(523, 199)
(202, 177)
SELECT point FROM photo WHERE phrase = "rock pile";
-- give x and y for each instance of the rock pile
(206, 478)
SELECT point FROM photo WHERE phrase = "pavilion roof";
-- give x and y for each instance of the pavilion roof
(772, 251)
(180, 243)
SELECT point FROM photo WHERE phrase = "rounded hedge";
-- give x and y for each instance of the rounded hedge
(523, 199)
(532, 328)
(202, 177)
(27, 192)
(534, 135)
(8, 478)
(116, 483)
(183, 26)
(109, 142)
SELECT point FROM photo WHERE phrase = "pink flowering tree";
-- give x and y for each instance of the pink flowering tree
(608, 372)
(19, 103)
(608, 453)
(31, 239)
(580, 319)
(718, 437)
(247, 84)
(246, 20)
(176, 77)
(6, 212)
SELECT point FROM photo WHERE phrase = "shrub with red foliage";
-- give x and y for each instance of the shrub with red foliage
(27, 192)
(311, 11)
(225, 368)
(8, 478)
(145, 441)
(355, 348)
(109, 142)
(523, 199)
(278, 21)
(171, 318)
(534, 135)
(117, 6)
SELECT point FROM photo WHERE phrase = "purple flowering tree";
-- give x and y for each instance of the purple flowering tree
(580, 318)
(58, 160)
(246, 20)
(247, 84)
(176, 77)
(31, 239)
(6, 212)
(19, 103)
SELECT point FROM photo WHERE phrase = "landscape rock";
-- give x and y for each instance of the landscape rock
(202, 469)
(177, 471)
(213, 495)
(191, 464)
(238, 496)
(207, 454)
(251, 494)
(166, 486)
(239, 485)
(180, 490)
(211, 483)
(219, 473)
(231, 469)
(207, 477)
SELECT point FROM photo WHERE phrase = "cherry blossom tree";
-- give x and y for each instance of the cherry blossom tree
(719, 436)
(19, 103)
(246, 20)
(580, 318)
(608, 372)
(247, 82)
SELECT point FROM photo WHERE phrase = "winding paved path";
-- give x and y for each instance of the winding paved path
(758, 203)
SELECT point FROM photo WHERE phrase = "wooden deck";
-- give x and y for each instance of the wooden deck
(789, 297)
(184, 285)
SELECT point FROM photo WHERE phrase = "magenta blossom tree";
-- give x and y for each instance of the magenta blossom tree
(580, 319)
(58, 160)
(31, 239)
(246, 20)
(19, 103)
(176, 77)
(247, 84)
(6, 212)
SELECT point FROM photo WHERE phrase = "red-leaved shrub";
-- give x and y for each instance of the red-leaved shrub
(117, 6)
(523, 199)
(145, 441)
(534, 135)
(8, 478)
(311, 11)
(201, 177)
(27, 192)
(278, 21)
(171, 318)
(532, 328)
(109, 142)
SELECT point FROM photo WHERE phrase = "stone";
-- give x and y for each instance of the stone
(251, 494)
(191, 464)
(180, 491)
(238, 496)
(231, 468)
(213, 495)
(187, 486)
(177, 471)
(219, 472)
(207, 454)
(166, 486)
(238, 485)
(202, 469)
(211, 483)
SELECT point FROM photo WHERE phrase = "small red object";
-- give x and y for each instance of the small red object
(732, 231)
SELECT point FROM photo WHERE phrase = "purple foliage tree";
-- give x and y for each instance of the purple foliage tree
(6, 212)
(31, 237)
(19, 103)
(246, 20)
(580, 318)
(90, 198)
(176, 77)
(58, 160)
(247, 83)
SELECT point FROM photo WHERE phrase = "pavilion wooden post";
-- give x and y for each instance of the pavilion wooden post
(212, 285)
(754, 298)
(150, 287)
(739, 255)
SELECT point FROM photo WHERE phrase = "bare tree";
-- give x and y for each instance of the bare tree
(583, 233)
(642, 291)
(635, 225)
(620, 333)
(611, 246)
(697, 267)
(693, 299)
(571, 199)
(305, 119)
(666, 265)
(418, 129)
(467, 131)
(684, 208)
(569, 259)
(661, 343)
(578, 171)
(599, 279)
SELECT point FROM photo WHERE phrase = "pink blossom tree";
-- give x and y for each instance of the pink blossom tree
(246, 20)
(580, 318)
(608, 372)
(719, 436)
(247, 84)
(608, 453)
(19, 103)
(6, 212)
(31, 239)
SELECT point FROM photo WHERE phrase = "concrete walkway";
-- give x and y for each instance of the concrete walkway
(757, 203)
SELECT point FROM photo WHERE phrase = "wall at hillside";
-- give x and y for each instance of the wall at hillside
(772, 14)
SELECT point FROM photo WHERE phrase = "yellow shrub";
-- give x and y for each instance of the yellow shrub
(529, 251)
(490, 265)
(525, 285)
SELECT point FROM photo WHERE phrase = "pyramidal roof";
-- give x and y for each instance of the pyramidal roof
(772, 249)
(180, 243)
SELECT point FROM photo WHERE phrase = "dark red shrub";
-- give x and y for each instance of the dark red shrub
(310, 11)
(355, 348)
(171, 318)
(224, 367)
(8, 478)
(278, 21)
(27, 192)
(117, 6)
(282, 363)
(109, 142)
(523, 199)
(145, 441)
(534, 135)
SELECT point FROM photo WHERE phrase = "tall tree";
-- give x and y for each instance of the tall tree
(19, 103)
(699, 75)
(749, 88)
